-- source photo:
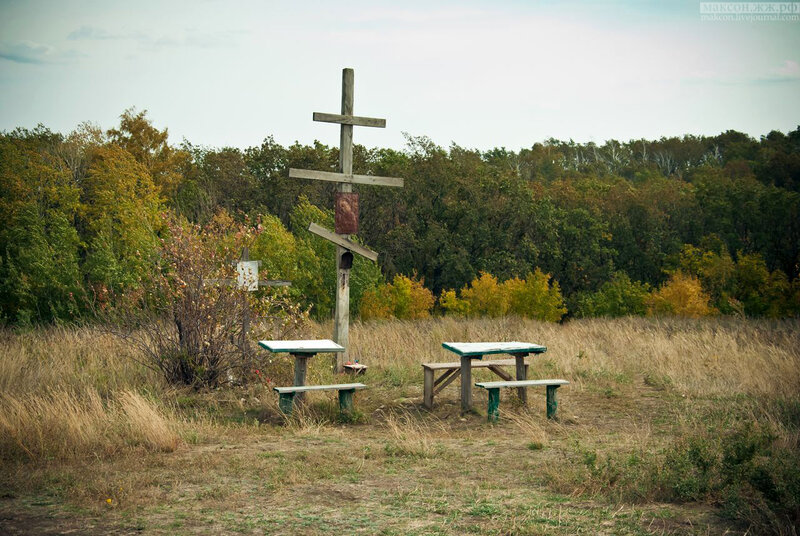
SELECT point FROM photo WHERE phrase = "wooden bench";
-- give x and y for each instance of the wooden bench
(433, 386)
(494, 394)
(346, 390)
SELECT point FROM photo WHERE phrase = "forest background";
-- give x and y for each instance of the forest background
(689, 226)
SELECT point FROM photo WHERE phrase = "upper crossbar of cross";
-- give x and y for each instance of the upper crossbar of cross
(347, 121)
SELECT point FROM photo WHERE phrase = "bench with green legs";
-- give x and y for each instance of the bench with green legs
(346, 390)
(494, 394)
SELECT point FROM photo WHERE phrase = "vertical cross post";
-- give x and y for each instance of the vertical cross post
(341, 319)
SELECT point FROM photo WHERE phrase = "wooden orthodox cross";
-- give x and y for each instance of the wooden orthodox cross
(346, 207)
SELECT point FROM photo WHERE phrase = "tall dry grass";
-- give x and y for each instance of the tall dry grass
(71, 359)
(68, 393)
(706, 357)
(77, 392)
(61, 425)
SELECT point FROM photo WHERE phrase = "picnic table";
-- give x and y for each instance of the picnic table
(302, 351)
(469, 351)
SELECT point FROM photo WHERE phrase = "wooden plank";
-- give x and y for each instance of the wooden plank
(302, 346)
(347, 178)
(521, 383)
(341, 318)
(486, 348)
(552, 401)
(427, 396)
(466, 382)
(261, 282)
(343, 242)
(444, 376)
(274, 283)
(300, 368)
(352, 120)
(306, 388)
(346, 130)
(475, 364)
(449, 379)
(522, 374)
(502, 373)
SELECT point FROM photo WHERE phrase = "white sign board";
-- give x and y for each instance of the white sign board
(247, 275)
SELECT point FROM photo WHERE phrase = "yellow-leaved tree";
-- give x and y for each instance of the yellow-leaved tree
(681, 295)
(535, 297)
(405, 298)
(485, 297)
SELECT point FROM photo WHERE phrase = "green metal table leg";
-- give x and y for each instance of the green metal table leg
(286, 402)
(346, 401)
(494, 405)
(552, 402)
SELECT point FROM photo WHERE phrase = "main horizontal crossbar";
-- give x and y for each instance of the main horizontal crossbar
(341, 177)
(261, 282)
(350, 120)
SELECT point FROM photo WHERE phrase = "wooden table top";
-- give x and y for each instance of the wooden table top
(469, 349)
(302, 347)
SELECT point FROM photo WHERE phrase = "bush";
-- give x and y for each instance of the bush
(535, 297)
(682, 295)
(485, 297)
(747, 470)
(187, 319)
(532, 297)
(404, 298)
(618, 297)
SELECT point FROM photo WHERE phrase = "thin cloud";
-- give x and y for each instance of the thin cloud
(29, 52)
(93, 33)
(200, 39)
(789, 71)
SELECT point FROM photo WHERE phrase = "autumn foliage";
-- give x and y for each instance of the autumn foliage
(404, 298)
(536, 296)
(682, 295)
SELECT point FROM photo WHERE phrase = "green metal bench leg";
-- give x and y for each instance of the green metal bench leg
(494, 405)
(286, 402)
(552, 401)
(346, 401)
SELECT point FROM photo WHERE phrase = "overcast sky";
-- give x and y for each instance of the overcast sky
(481, 74)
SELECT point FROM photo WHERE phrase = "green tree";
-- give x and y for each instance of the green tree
(119, 213)
(405, 298)
(150, 147)
(618, 297)
(40, 278)
(535, 297)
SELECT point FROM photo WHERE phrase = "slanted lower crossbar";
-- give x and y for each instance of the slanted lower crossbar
(493, 389)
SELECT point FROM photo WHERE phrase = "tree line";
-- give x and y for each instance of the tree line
(644, 226)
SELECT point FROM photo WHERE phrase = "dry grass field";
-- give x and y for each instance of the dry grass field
(667, 427)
